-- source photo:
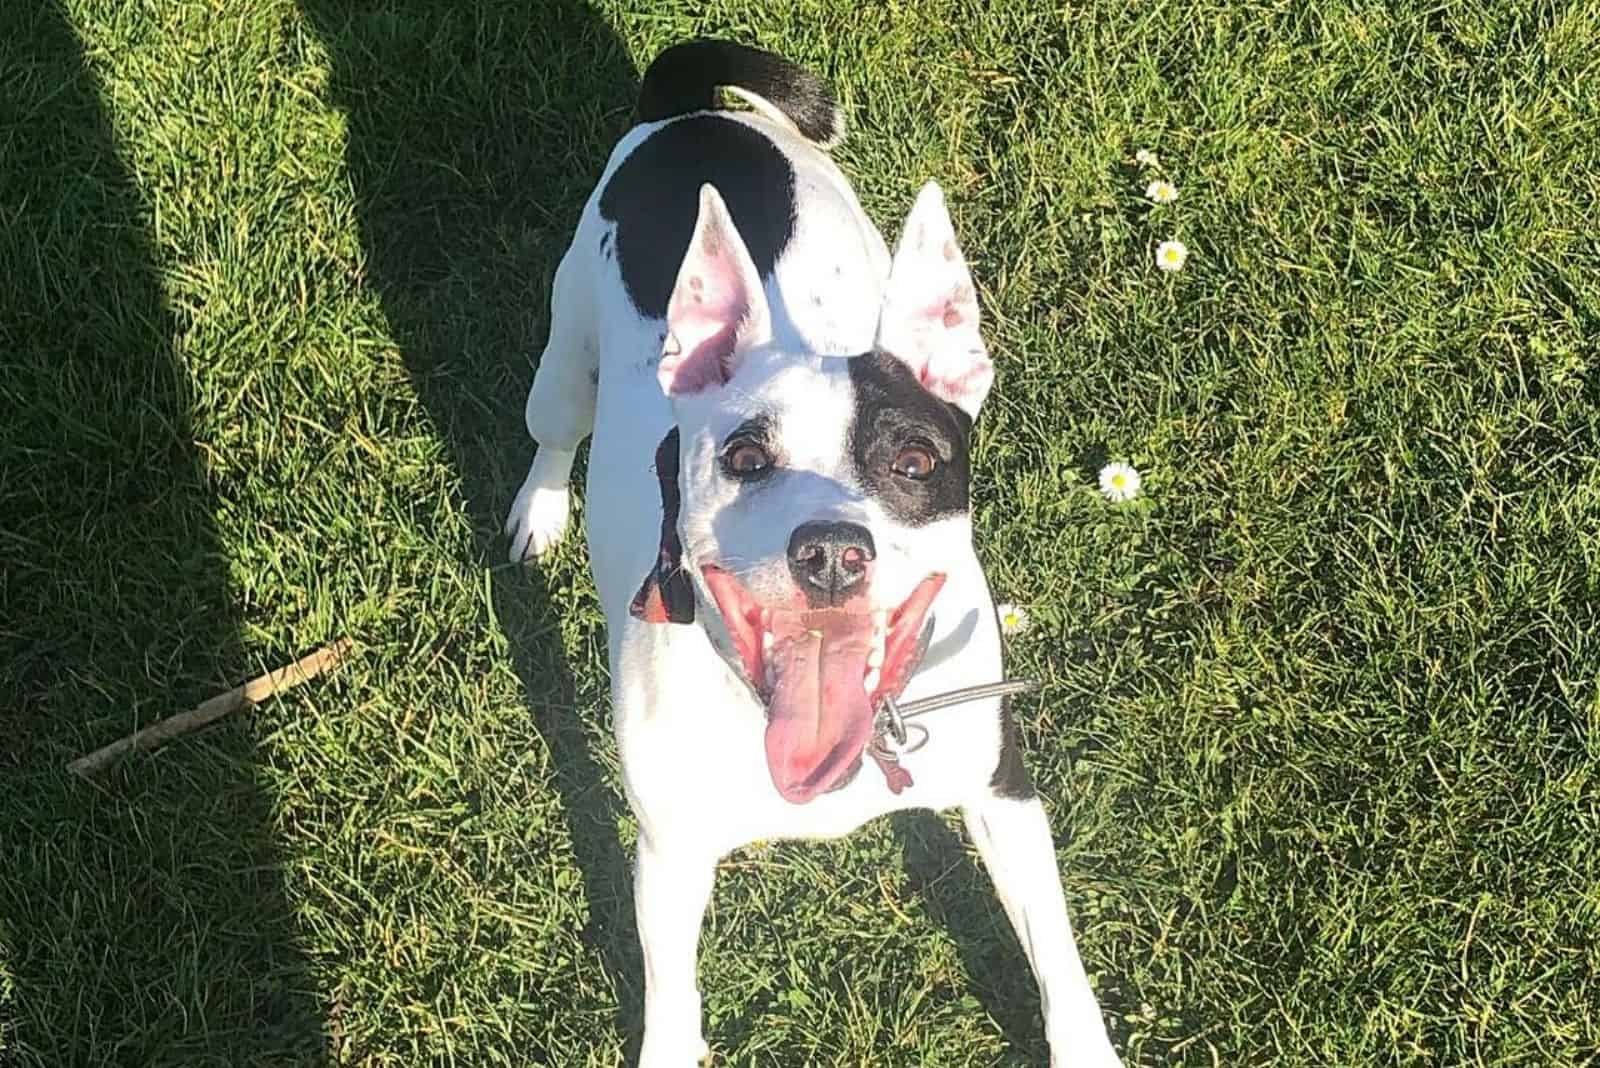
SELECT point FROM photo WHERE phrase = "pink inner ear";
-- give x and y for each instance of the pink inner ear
(971, 379)
(955, 304)
(703, 321)
(930, 312)
(934, 330)
(717, 308)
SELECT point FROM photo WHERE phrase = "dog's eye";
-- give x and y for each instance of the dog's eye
(914, 462)
(745, 460)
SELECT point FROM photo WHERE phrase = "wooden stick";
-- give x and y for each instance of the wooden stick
(253, 692)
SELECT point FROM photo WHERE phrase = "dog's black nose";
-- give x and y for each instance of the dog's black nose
(829, 560)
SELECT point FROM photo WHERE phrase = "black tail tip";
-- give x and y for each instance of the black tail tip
(685, 78)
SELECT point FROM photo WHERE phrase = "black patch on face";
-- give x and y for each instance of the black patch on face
(1010, 779)
(666, 595)
(654, 198)
(894, 411)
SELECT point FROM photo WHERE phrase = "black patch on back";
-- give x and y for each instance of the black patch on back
(654, 198)
(686, 77)
(1010, 779)
(894, 410)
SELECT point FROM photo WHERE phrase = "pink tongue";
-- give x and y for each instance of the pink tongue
(818, 720)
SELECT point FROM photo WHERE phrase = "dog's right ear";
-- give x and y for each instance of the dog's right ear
(929, 319)
(718, 309)
(666, 595)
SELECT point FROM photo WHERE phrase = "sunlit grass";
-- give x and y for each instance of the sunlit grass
(1318, 732)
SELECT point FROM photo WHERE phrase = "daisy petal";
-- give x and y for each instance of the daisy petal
(1171, 255)
(1013, 619)
(1119, 482)
(1161, 192)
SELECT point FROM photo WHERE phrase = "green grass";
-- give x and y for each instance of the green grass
(1321, 731)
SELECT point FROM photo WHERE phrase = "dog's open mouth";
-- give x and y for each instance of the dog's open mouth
(822, 674)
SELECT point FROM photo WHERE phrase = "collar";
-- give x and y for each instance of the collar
(892, 736)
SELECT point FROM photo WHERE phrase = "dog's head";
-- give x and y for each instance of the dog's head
(814, 504)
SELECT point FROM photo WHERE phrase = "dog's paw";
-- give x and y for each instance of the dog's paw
(1095, 1053)
(537, 521)
(690, 1053)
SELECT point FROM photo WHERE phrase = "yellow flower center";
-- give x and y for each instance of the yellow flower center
(1172, 255)
(1119, 480)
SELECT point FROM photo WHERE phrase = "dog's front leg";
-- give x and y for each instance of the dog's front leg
(1014, 839)
(559, 412)
(671, 886)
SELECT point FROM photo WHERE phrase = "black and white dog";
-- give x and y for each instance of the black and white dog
(799, 405)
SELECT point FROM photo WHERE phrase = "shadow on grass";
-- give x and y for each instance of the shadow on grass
(960, 897)
(476, 131)
(142, 917)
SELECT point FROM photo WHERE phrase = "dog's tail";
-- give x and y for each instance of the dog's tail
(686, 78)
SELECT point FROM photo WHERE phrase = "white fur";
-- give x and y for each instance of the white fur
(538, 517)
(930, 309)
(689, 731)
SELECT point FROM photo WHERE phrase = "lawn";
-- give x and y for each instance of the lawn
(1320, 729)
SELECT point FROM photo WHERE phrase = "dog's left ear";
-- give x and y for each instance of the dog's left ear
(929, 319)
(718, 310)
(666, 595)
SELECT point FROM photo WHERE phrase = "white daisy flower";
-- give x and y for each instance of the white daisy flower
(1013, 619)
(1161, 192)
(1146, 158)
(1171, 255)
(1119, 482)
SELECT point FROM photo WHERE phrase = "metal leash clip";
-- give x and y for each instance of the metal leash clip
(892, 716)
(892, 721)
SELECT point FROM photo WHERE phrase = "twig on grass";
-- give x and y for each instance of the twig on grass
(253, 692)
